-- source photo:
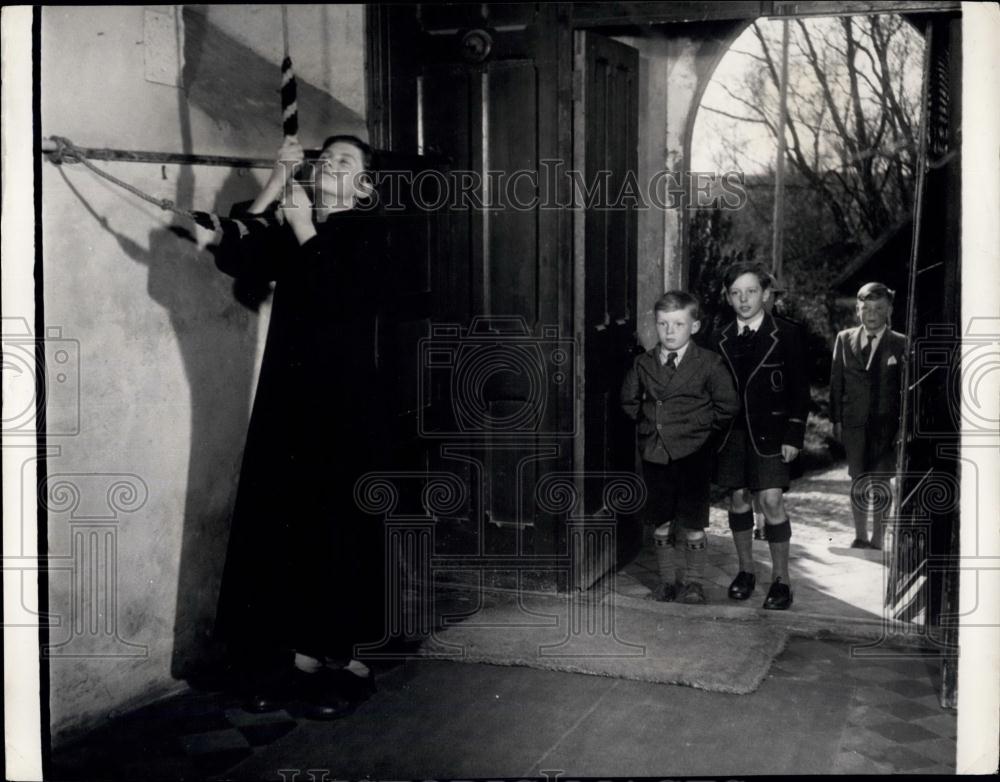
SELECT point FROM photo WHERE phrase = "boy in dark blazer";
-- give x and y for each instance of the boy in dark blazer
(765, 354)
(865, 401)
(679, 394)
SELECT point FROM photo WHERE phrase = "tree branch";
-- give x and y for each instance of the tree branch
(733, 116)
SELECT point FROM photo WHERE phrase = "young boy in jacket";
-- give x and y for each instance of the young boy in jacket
(679, 395)
(765, 354)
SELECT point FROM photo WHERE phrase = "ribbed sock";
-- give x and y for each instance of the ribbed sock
(743, 539)
(695, 556)
(778, 541)
(663, 551)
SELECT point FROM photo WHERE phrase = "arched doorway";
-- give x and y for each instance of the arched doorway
(852, 109)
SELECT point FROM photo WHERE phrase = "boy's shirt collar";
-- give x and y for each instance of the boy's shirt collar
(753, 323)
(662, 353)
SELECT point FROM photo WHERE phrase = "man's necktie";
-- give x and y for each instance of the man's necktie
(866, 349)
(672, 360)
(746, 333)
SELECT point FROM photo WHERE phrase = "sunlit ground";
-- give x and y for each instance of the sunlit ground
(828, 576)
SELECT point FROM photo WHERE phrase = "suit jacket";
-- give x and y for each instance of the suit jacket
(775, 395)
(677, 410)
(869, 398)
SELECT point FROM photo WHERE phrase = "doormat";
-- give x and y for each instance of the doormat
(577, 635)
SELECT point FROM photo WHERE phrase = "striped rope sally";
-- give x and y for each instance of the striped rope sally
(289, 89)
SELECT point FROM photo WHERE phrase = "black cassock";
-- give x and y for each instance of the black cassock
(304, 564)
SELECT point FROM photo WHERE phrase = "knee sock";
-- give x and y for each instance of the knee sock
(778, 537)
(663, 551)
(878, 523)
(695, 555)
(742, 526)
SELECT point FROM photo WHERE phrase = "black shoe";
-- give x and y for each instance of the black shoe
(742, 586)
(269, 691)
(779, 596)
(321, 696)
(758, 533)
(665, 593)
(262, 702)
(354, 688)
(859, 543)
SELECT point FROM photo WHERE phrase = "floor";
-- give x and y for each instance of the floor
(820, 710)
(828, 705)
(828, 576)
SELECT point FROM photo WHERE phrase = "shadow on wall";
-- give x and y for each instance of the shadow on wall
(216, 334)
(217, 340)
(234, 85)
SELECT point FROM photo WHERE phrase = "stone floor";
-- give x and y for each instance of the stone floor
(822, 709)
(827, 705)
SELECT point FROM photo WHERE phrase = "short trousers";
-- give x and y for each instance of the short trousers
(739, 466)
(678, 490)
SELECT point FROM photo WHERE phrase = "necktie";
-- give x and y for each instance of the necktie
(672, 360)
(866, 349)
(746, 333)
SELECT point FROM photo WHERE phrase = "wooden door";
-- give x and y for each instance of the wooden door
(605, 151)
(481, 88)
(922, 579)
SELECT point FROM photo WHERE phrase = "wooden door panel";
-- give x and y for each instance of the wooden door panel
(607, 113)
(498, 112)
(511, 117)
(449, 90)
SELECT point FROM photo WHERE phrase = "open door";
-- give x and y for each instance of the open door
(606, 75)
(476, 88)
(922, 579)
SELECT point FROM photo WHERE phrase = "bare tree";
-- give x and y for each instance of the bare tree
(852, 112)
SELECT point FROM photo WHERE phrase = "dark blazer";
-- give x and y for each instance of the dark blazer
(776, 394)
(678, 410)
(862, 397)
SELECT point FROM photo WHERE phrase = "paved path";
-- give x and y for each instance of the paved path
(828, 576)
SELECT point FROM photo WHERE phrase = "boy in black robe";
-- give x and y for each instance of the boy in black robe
(303, 575)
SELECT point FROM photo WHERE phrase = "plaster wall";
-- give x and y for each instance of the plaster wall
(674, 69)
(147, 423)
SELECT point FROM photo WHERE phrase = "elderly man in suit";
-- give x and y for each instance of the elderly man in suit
(865, 403)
